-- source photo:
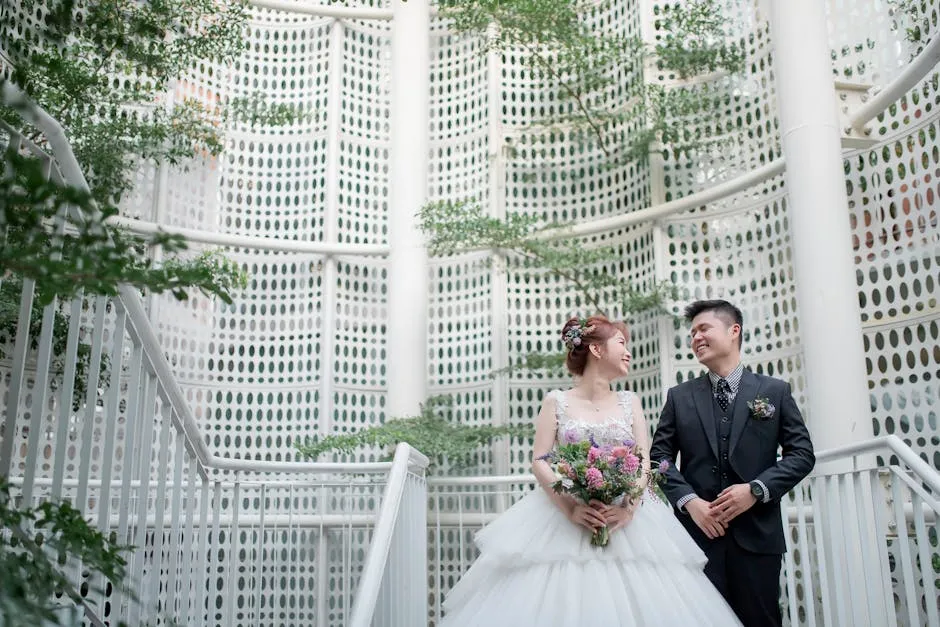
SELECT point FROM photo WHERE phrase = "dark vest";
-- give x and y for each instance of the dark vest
(726, 476)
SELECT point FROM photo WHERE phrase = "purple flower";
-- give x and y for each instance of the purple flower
(663, 466)
(570, 436)
(629, 443)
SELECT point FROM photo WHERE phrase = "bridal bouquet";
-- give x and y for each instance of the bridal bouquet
(608, 474)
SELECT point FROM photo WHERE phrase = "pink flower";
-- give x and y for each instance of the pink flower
(570, 436)
(564, 468)
(595, 479)
(619, 451)
(631, 463)
(593, 454)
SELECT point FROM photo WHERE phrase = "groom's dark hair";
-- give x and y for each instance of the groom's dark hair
(721, 308)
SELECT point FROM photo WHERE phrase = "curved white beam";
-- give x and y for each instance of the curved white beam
(658, 212)
(324, 10)
(142, 227)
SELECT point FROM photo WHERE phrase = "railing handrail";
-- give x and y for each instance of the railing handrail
(128, 298)
(367, 593)
(924, 471)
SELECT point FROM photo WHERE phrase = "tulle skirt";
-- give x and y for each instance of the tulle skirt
(536, 568)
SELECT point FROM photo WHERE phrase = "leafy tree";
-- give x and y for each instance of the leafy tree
(32, 577)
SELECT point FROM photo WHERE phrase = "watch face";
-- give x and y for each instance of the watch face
(755, 489)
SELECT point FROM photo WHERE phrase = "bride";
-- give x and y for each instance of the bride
(537, 566)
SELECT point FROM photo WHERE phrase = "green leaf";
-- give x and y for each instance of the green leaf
(435, 432)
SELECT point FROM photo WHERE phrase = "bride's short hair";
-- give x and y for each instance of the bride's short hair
(579, 333)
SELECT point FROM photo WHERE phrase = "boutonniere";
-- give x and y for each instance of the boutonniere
(761, 408)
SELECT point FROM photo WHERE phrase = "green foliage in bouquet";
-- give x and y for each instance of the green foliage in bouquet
(609, 474)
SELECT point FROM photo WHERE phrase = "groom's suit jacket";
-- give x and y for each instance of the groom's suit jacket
(687, 429)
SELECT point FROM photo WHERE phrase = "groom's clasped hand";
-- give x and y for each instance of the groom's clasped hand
(713, 517)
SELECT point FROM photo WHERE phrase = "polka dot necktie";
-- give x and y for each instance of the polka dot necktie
(722, 394)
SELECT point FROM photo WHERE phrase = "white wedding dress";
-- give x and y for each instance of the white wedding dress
(538, 569)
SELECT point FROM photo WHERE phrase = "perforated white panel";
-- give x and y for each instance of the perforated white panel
(732, 126)
(893, 194)
(740, 250)
(868, 39)
(253, 370)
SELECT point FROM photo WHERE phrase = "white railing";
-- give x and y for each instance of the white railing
(393, 589)
(218, 541)
(862, 539)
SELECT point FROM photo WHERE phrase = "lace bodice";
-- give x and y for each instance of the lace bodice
(613, 429)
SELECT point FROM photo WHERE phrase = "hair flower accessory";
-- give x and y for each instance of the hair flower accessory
(573, 337)
(761, 408)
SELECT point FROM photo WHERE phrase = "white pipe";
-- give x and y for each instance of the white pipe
(248, 465)
(143, 227)
(324, 10)
(331, 234)
(481, 519)
(590, 227)
(658, 212)
(924, 471)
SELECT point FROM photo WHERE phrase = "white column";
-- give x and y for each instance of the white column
(838, 411)
(328, 330)
(408, 259)
(499, 280)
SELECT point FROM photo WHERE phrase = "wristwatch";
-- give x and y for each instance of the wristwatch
(757, 490)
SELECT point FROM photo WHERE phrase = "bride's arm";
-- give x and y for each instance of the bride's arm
(642, 437)
(545, 428)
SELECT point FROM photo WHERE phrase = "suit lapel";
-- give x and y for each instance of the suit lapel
(702, 397)
(747, 391)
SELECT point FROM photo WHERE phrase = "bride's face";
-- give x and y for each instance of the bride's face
(615, 357)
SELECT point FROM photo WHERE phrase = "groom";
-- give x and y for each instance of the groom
(726, 427)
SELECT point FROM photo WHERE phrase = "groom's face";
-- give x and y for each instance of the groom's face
(714, 339)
